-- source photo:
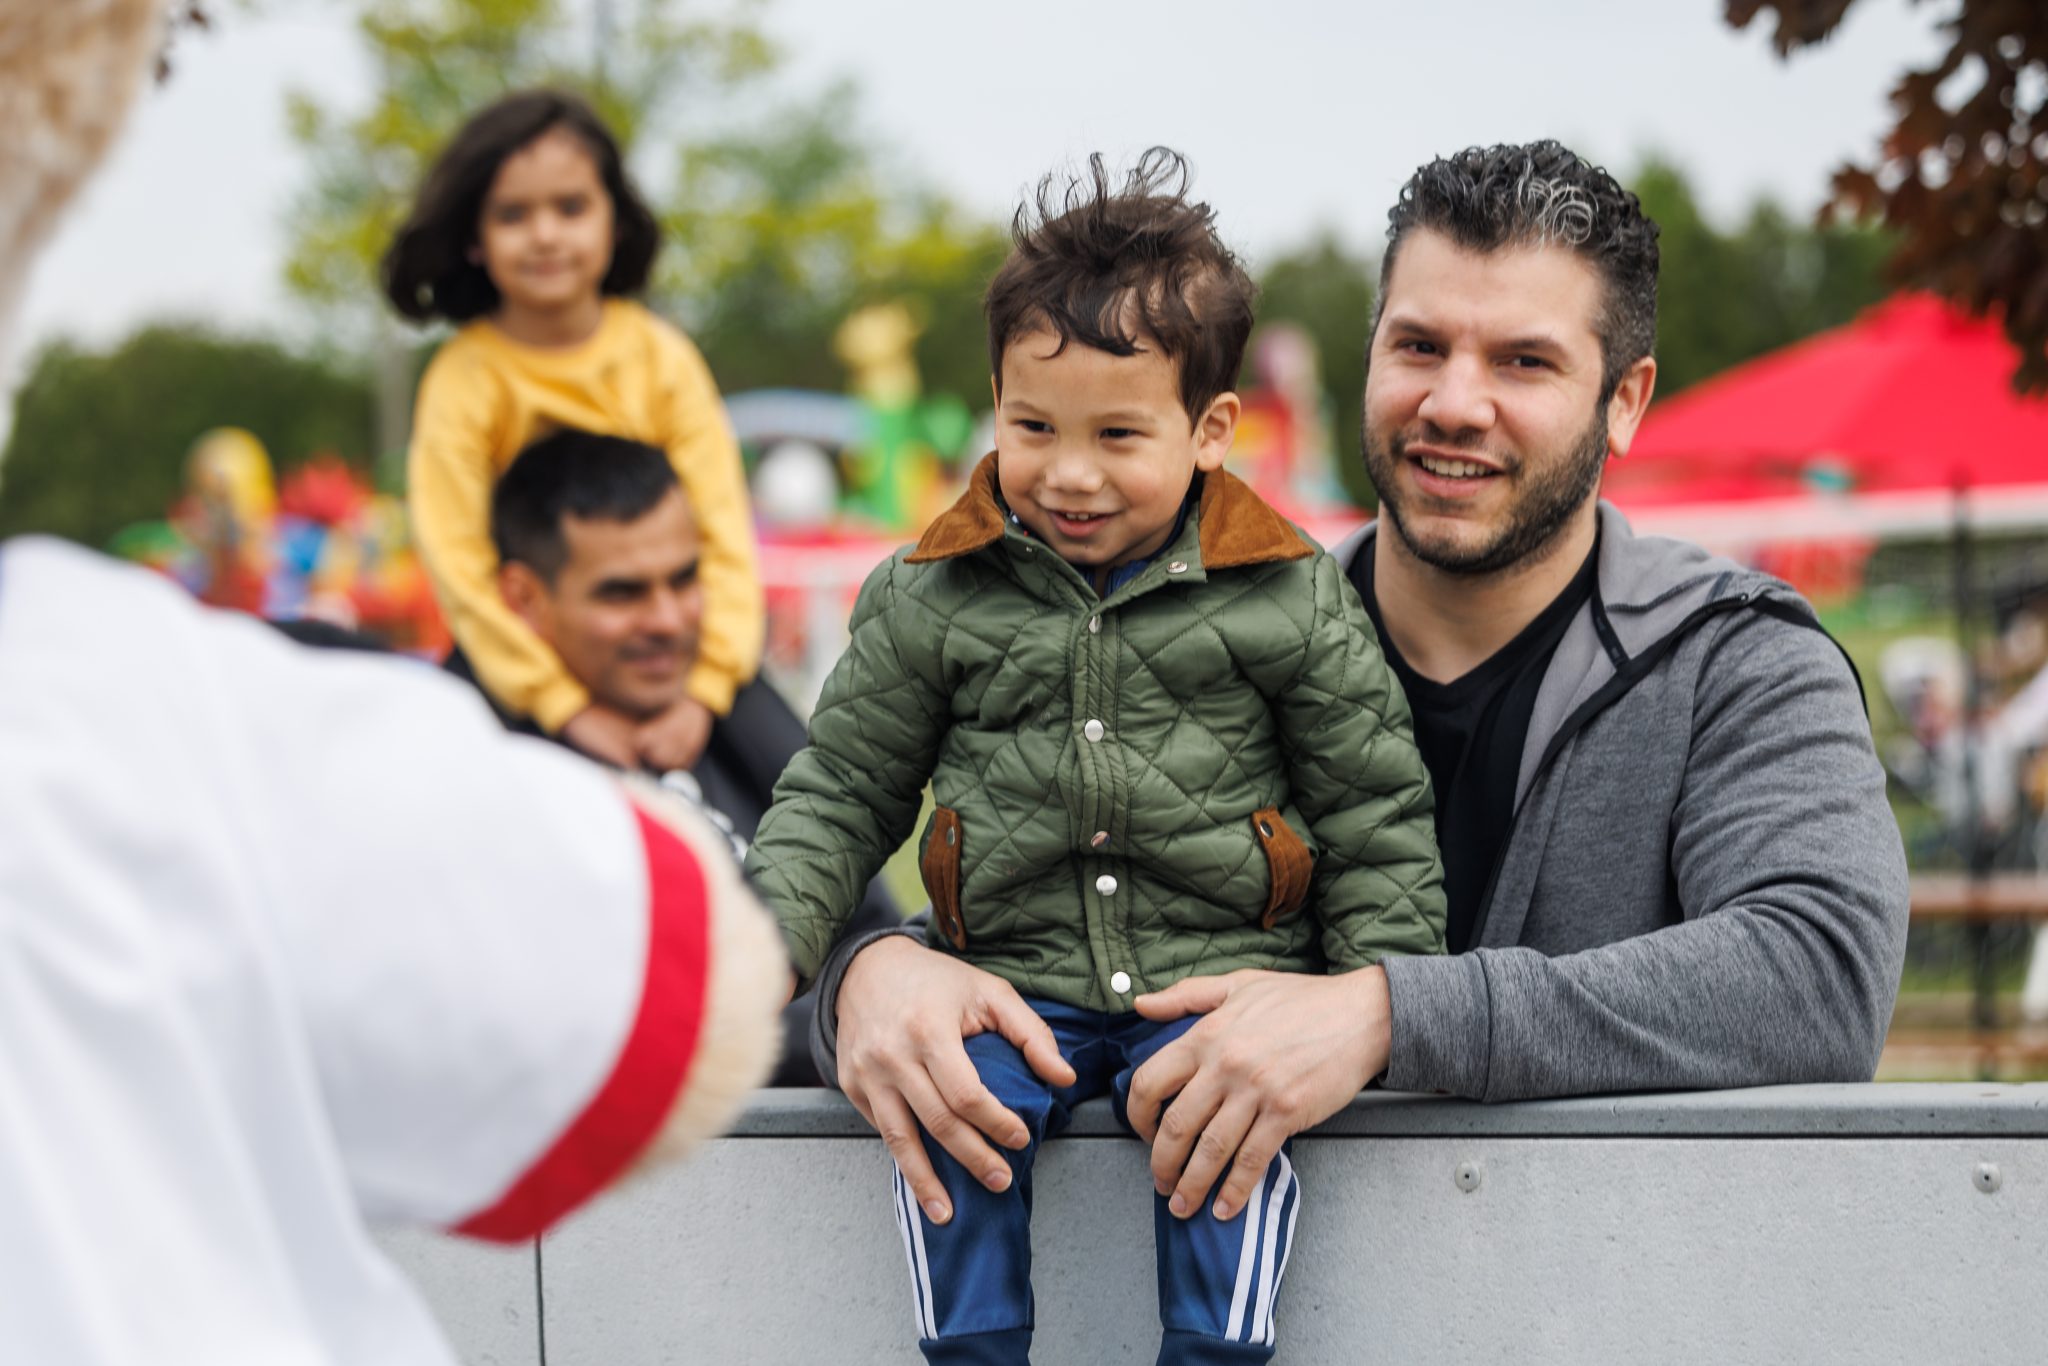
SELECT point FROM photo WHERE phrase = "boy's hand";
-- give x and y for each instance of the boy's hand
(1279, 1052)
(903, 1011)
(608, 736)
(675, 738)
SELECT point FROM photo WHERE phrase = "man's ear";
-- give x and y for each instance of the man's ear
(1631, 400)
(1215, 430)
(526, 593)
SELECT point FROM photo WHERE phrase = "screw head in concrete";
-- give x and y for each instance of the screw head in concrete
(1988, 1177)
(1468, 1176)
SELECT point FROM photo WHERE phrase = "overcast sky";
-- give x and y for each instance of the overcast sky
(1297, 114)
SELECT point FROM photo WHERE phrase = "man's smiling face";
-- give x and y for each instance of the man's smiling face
(1485, 429)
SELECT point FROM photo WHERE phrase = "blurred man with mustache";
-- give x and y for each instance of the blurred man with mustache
(598, 551)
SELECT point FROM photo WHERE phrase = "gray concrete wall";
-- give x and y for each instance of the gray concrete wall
(1864, 1224)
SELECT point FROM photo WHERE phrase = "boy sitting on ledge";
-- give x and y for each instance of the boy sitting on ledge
(1157, 725)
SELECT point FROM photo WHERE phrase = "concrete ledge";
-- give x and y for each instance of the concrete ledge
(1890, 1111)
(1867, 1224)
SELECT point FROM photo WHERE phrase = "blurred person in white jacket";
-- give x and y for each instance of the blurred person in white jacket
(291, 941)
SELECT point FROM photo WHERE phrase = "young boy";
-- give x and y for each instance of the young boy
(1156, 723)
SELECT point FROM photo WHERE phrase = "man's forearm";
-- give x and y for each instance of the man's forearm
(1745, 997)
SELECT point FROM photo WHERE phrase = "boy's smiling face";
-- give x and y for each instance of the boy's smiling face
(1095, 452)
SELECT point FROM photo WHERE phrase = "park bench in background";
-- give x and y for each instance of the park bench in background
(1985, 1046)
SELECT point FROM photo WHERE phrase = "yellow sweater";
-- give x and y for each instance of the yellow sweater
(484, 398)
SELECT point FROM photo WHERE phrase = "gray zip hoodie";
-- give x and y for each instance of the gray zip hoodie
(1703, 885)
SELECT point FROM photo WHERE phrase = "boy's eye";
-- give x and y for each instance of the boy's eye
(1118, 433)
(1034, 426)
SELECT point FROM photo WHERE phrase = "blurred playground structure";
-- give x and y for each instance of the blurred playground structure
(320, 545)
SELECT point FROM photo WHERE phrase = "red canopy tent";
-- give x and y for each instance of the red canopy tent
(1864, 430)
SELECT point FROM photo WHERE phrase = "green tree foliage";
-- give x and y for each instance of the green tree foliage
(1724, 297)
(781, 219)
(100, 438)
(436, 62)
(1328, 293)
(784, 229)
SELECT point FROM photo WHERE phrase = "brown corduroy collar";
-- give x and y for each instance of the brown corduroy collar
(1237, 526)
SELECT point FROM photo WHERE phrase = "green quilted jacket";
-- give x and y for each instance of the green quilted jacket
(1210, 768)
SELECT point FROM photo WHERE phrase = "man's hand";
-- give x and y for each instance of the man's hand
(674, 738)
(1279, 1052)
(608, 736)
(903, 1011)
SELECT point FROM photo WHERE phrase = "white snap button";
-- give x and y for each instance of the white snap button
(1177, 567)
(1101, 838)
(1093, 730)
(1094, 625)
(1119, 982)
(1106, 885)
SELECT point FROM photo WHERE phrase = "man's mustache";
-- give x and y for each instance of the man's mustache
(658, 647)
(1429, 434)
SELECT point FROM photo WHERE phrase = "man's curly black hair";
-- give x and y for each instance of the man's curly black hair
(1535, 194)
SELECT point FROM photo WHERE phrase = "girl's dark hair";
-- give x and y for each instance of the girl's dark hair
(427, 271)
(1099, 263)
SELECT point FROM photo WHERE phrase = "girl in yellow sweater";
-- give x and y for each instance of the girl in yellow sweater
(528, 233)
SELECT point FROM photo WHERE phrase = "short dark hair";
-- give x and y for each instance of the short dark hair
(427, 270)
(1531, 194)
(571, 473)
(1101, 264)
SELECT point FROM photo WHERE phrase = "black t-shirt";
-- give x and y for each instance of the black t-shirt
(1470, 732)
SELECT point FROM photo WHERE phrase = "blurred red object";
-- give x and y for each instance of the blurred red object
(325, 490)
(1914, 395)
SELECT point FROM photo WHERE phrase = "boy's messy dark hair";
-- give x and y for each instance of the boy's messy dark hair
(572, 473)
(1542, 194)
(1107, 266)
(428, 272)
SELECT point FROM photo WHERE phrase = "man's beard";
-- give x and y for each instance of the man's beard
(1537, 516)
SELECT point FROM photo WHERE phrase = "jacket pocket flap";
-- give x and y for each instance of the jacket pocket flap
(940, 865)
(1288, 860)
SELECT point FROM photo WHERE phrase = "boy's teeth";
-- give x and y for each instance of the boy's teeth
(1452, 469)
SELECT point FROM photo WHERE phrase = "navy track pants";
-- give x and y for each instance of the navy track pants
(971, 1278)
